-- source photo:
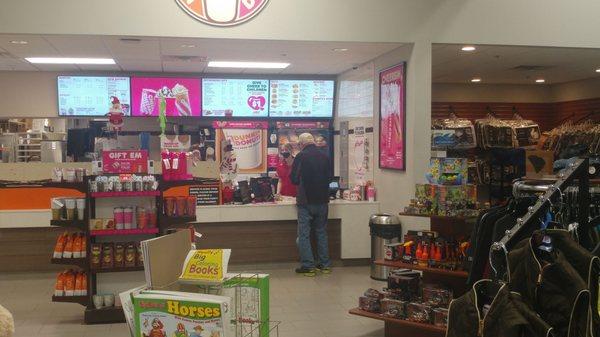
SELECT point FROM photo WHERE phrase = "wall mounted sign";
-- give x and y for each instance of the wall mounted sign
(392, 117)
(222, 13)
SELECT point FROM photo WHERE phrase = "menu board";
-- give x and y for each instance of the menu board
(180, 97)
(301, 99)
(234, 98)
(91, 96)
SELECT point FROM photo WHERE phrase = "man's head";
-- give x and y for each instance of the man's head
(305, 139)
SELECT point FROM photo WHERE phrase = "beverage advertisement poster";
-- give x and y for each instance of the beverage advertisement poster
(392, 118)
(234, 98)
(245, 143)
(125, 161)
(181, 96)
(360, 149)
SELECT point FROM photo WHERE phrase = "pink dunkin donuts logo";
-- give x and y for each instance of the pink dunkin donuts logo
(222, 12)
(257, 102)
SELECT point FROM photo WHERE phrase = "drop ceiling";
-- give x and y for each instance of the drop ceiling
(513, 65)
(149, 54)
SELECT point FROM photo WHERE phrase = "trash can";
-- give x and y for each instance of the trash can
(385, 229)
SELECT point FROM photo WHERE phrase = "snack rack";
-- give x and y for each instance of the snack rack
(455, 280)
(113, 314)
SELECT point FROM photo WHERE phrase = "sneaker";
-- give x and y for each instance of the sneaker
(324, 270)
(310, 272)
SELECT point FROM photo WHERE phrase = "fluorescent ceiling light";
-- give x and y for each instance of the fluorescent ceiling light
(476, 80)
(188, 46)
(19, 42)
(468, 48)
(340, 49)
(261, 65)
(540, 80)
(69, 60)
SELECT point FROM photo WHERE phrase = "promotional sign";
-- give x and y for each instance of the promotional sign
(392, 118)
(180, 96)
(222, 12)
(240, 125)
(360, 147)
(205, 265)
(302, 125)
(91, 96)
(249, 147)
(234, 98)
(206, 195)
(301, 99)
(125, 161)
(175, 142)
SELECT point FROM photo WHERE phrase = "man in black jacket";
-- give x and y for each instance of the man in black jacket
(311, 173)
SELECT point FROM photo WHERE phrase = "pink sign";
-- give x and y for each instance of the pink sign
(392, 118)
(180, 96)
(240, 125)
(125, 161)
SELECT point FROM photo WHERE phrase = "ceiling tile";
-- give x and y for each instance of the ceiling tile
(79, 46)
(36, 46)
(140, 65)
(146, 49)
(57, 67)
(99, 67)
(182, 67)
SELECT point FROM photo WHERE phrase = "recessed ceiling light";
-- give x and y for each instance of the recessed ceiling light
(188, 46)
(340, 49)
(69, 60)
(260, 65)
(19, 42)
(476, 80)
(598, 70)
(540, 80)
(468, 48)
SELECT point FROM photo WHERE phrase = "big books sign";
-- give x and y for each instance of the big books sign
(222, 12)
(125, 161)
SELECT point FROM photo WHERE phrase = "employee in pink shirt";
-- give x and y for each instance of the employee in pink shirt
(285, 186)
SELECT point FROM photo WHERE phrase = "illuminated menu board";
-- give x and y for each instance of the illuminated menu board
(301, 99)
(91, 96)
(234, 98)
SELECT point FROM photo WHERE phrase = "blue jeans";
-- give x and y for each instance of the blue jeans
(313, 216)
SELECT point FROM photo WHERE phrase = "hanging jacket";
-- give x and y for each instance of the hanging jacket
(552, 287)
(483, 240)
(507, 316)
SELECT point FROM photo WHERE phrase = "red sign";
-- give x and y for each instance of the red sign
(125, 161)
(240, 125)
(392, 117)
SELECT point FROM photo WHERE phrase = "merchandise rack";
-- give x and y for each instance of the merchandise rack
(408, 328)
(107, 314)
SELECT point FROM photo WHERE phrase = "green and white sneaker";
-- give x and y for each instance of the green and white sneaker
(309, 272)
(324, 270)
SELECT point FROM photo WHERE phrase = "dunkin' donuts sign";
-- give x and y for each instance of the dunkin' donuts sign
(222, 12)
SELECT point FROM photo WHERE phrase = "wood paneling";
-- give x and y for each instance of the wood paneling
(547, 115)
(28, 249)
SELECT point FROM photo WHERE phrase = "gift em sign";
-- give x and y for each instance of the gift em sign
(125, 161)
(222, 12)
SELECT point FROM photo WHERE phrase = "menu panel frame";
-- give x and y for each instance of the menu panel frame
(253, 99)
(296, 98)
(125, 102)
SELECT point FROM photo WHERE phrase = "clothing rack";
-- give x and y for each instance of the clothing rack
(522, 186)
(577, 171)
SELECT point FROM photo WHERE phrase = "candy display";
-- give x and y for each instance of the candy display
(448, 171)
(180, 206)
(444, 201)
(71, 283)
(70, 246)
(115, 255)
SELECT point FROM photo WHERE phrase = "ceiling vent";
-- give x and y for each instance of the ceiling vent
(130, 40)
(184, 58)
(531, 68)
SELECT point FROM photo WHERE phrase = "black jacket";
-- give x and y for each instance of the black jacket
(311, 172)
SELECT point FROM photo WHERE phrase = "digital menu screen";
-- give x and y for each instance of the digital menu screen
(180, 97)
(234, 98)
(301, 99)
(91, 96)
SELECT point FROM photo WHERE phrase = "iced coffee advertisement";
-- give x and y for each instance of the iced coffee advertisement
(246, 142)
(91, 95)
(392, 118)
(180, 97)
(309, 99)
(234, 98)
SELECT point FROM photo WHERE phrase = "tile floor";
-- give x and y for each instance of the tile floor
(306, 307)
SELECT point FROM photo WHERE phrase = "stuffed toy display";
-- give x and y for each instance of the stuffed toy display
(7, 324)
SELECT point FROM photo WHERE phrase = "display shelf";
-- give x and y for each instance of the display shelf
(124, 194)
(104, 315)
(399, 322)
(117, 269)
(437, 271)
(79, 224)
(175, 220)
(79, 262)
(83, 300)
(117, 232)
(458, 218)
(167, 184)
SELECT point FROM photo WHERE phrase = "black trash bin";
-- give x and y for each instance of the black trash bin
(385, 229)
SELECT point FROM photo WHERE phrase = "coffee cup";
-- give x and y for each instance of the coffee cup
(98, 301)
(80, 209)
(70, 204)
(247, 145)
(109, 300)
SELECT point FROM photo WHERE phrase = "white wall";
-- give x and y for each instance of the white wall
(576, 90)
(459, 92)
(28, 94)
